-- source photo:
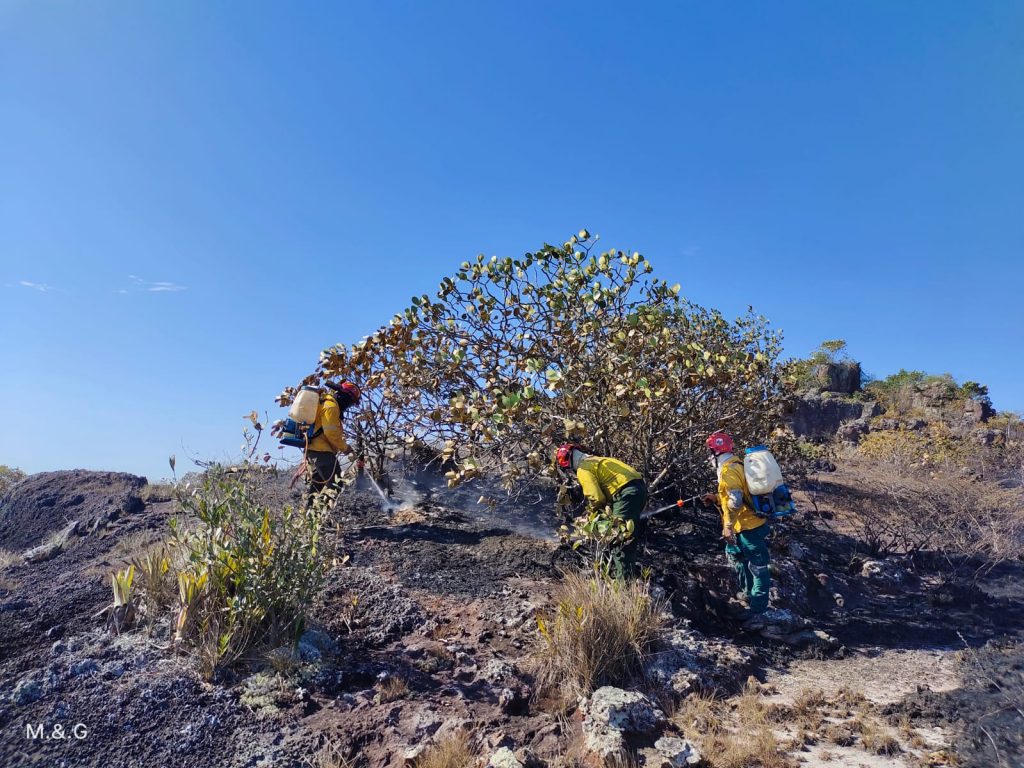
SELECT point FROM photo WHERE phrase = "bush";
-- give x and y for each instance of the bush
(512, 356)
(962, 518)
(601, 633)
(904, 450)
(246, 574)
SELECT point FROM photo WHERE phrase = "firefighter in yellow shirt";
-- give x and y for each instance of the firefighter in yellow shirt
(328, 438)
(608, 481)
(745, 534)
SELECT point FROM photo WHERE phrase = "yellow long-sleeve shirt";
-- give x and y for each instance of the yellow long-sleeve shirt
(737, 513)
(603, 477)
(328, 418)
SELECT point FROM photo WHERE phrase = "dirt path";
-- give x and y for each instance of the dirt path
(884, 677)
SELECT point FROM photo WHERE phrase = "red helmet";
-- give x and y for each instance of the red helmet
(347, 388)
(720, 442)
(351, 390)
(564, 454)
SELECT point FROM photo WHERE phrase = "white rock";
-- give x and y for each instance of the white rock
(504, 758)
(611, 714)
(677, 753)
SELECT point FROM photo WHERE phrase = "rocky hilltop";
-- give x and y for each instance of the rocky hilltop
(427, 634)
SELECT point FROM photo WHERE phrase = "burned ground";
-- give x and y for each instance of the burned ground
(443, 600)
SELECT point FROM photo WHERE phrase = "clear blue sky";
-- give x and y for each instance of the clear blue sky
(196, 198)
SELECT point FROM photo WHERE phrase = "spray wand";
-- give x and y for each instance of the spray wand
(674, 505)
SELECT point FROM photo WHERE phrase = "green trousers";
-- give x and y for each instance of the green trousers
(628, 503)
(749, 558)
(324, 472)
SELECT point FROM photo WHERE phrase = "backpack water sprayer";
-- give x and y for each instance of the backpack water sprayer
(297, 430)
(768, 492)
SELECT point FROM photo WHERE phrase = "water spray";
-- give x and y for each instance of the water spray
(387, 502)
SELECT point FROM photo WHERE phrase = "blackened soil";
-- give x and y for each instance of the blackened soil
(45, 503)
(986, 713)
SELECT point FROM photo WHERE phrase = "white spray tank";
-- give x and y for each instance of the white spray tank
(303, 409)
(761, 470)
(765, 485)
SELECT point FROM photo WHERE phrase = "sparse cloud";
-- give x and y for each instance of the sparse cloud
(41, 287)
(153, 286)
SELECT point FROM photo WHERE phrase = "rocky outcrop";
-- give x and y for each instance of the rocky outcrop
(614, 719)
(49, 502)
(942, 401)
(689, 661)
(819, 416)
(852, 431)
(975, 412)
(843, 378)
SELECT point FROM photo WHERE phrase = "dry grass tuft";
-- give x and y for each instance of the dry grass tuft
(840, 734)
(601, 633)
(877, 740)
(391, 688)
(134, 546)
(286, 665)
(154, 493)
(8, 558)
(734, 734)
(452, 752)
(330, 755)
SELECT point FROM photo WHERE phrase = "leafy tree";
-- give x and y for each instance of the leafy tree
(512, 356)
(972, 390)
(829, 351)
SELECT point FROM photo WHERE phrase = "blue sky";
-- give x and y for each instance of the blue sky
(196, 198)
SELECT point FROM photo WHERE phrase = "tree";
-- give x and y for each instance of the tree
(512, 356)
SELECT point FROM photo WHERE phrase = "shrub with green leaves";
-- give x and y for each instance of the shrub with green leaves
(246, 573)
(511, 356)
(600, 535)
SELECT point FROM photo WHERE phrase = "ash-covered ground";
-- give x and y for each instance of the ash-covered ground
(443, 594)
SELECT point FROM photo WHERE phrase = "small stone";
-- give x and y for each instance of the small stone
(610, 715)
(677, 753)
(414, 753)
(498, 672)
(323, 642)
(26, 691)
(84, 667)
(504, 758)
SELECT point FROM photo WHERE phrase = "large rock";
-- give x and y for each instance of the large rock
(838, 377)
(614, 719)
(690, 661)
(852, 431)
(819, 416)
(975, 413)
(934, 398)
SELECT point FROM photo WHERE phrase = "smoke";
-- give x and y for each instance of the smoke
(530, 513)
